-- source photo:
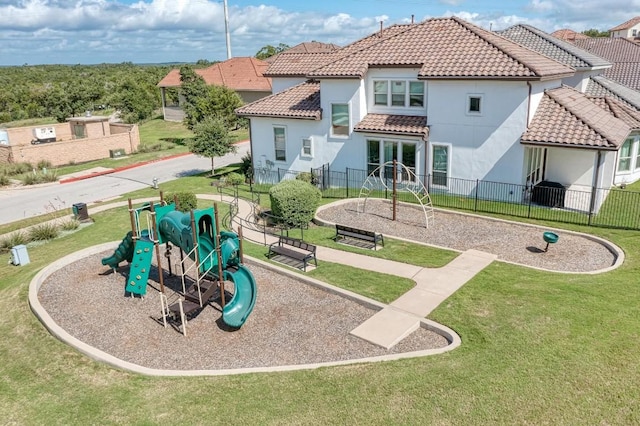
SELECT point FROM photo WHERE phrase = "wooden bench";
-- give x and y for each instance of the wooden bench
(295, 249)
(344, 232)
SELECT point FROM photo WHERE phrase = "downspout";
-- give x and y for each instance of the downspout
(596, 178)
(528, 103)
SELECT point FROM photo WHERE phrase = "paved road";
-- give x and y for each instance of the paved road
(27, 202)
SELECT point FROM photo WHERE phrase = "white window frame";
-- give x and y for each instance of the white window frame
(480, 98)
(389, 93)
(448, 146)
(302, 149)
(400, 146)
(341, 135)
(629, 158)
(275, 147)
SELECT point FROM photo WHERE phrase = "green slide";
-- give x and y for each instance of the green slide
(122, 253)
(237, 310)
(139, 269)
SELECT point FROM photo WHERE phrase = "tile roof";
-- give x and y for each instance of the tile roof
(619, 110)
(394, 124)
(626, 25)
(601, 86)
(301, 101)
(568, 35)
(552, 47)
(444, 48)
(566, 117)
(313, 47)
(241, 73)
(623, 53)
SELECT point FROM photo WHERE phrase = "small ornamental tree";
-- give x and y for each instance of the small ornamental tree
(211, 140)
(294, 201)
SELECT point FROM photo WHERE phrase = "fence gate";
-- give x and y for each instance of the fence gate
(321, 175)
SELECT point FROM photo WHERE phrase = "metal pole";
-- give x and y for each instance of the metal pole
(156, 244)
(226, 29)
(134, 231)
(240, 238)
(219, 253)
(395, 192)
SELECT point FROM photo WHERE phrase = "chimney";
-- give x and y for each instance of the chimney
(381, 22)
(412, 18)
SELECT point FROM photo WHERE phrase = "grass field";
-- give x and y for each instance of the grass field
(537, 348)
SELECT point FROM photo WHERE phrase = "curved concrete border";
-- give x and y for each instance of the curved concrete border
(617, 252)
(101, 356)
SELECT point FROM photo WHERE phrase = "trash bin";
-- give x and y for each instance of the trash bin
(80, 212)
(19, 255)
(549, 194)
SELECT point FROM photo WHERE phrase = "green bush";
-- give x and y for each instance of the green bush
(43, 232)
(13, 169)
(70, 225)
(186, 201)
(4, 180)
(35, 178)
(44, 164)
(307, 177)
(15, 239)
(247, 168)
(233, 178)
(294, 201)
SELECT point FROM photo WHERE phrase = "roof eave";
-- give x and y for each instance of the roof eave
(561, 145)
(278, 116)
(383, 132)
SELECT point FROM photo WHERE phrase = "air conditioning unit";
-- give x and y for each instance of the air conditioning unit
(44, 135)
(19, 255)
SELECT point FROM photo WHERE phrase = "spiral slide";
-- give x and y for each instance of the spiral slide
(237, 310)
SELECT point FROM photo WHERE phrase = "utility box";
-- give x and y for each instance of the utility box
(80, 212)
(116, 153)
(19, 255)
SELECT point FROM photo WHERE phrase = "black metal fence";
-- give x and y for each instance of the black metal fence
(604, 207)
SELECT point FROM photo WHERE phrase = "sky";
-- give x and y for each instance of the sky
(38, 32)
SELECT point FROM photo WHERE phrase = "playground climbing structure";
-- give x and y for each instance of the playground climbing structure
(215, 257)
(396, 177)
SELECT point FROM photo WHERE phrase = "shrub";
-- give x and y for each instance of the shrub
(307, 177)
(44, 164)
(70, 225)
(233, 178)
(16, 168)
(15, 239)
(247, 168)
(35, 178)
(43, 232)
(4, 180)
(186, 200)
(294, 201)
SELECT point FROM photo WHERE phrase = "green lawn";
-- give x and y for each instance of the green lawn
(537, 348)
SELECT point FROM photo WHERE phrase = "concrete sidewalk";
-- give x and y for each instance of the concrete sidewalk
(402, 316)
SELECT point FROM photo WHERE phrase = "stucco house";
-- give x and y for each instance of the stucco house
(629, 30)
(451, 101)
(242, 74)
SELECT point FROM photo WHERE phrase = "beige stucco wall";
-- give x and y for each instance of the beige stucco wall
(65, 150)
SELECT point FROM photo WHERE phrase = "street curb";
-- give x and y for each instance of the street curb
(131, 166)
(119, 169)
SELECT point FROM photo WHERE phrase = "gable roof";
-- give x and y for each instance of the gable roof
(601, 86)
(241, 74)
(619, 110)
(623, 53)
(446, 48)
(626, 25)
(301, 101)
(568, 35)
(568, 118)
(313, 47)
(394, 124)
(554, 48)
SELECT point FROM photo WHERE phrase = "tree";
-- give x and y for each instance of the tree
(269, 50)
(596, 33)
(211, 139)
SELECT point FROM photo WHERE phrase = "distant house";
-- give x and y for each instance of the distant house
(456, 104)
(629, 30)
(568, 35)
(242, 74)
(79, 140)
(622, 53)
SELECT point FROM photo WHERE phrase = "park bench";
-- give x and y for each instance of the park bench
(295, 249)
(350, 233)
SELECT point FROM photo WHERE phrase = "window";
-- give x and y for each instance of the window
(373, 155)
(416, 94)
(280, 143)
(403, 93)
(635, 32)
(624, 157)
(340, 119)
(398, 93)
(79, 131)
(403, 152)
(307, 147)
(380, 92)
(474, 105)
(440, 165)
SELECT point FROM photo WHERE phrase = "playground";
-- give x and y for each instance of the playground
(292, 322)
